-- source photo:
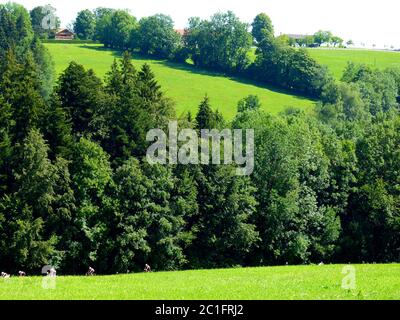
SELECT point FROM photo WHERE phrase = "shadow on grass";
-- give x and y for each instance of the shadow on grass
(198, 71)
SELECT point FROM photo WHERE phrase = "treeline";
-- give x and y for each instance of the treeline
(223, 43)
(318, 39)
(76, 190)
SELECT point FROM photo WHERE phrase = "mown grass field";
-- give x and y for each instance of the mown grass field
(288, 282)
(336, 59)
(185, 84)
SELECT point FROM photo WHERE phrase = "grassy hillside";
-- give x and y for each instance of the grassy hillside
(336, 59)
(183, 83)
(290, 282)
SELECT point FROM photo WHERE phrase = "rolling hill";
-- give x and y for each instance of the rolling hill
(185, 84)
(336, 59)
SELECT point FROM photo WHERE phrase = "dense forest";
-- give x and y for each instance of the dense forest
(76, 190)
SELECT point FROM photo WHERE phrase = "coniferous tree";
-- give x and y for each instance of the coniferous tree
(15, 30)
(81, 95)
(223, 232)
(5, 144)
(131, 218)
(138, 105)
(149, 90)
(25, 210)
(206, 118)
(20, 87)
(125, 115)
(166, 231)
(57, 129)
(45, 67)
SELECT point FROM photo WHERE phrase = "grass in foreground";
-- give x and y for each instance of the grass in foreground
(289, 282)
(336, 59)
(185, 84)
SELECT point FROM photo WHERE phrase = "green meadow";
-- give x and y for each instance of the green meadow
(337, 59)
(287, 282)
(185, 84)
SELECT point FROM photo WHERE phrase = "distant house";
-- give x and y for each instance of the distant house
(180, 32)
(296, 36)
(64, 34)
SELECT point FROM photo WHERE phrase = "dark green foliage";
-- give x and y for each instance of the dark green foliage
(81, 95)
(91, 176)
(379, 89)
(20, 87)
(15, 30)
(166, 229)
(103, 20)
(114, 27)
(22, 244)
(221, 43)
(224, 234)
(27, 207)
(137, 105)
(290, 68)
(291, 170)
(206, 118)
(251, 102)
(16, 34)
(131, 217)
(45, 68)
(85, 25)
(373, 217)
(262, 27)
(57, 129)
(6, 124)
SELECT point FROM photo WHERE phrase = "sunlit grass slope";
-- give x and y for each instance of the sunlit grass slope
(185, 84)
(336, 59)
(288, 282)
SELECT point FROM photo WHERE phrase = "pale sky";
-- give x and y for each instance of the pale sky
(363, 21)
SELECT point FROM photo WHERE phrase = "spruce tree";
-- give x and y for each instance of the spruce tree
(57, 129)
(223, 230)
(136, 105)
(81, 95)
(20, 87)
(149, 89)
(5, 144)
(206, 118)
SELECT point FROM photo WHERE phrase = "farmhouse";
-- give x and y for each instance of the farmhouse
(180, 31)
(296, 36)
(64, 34)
